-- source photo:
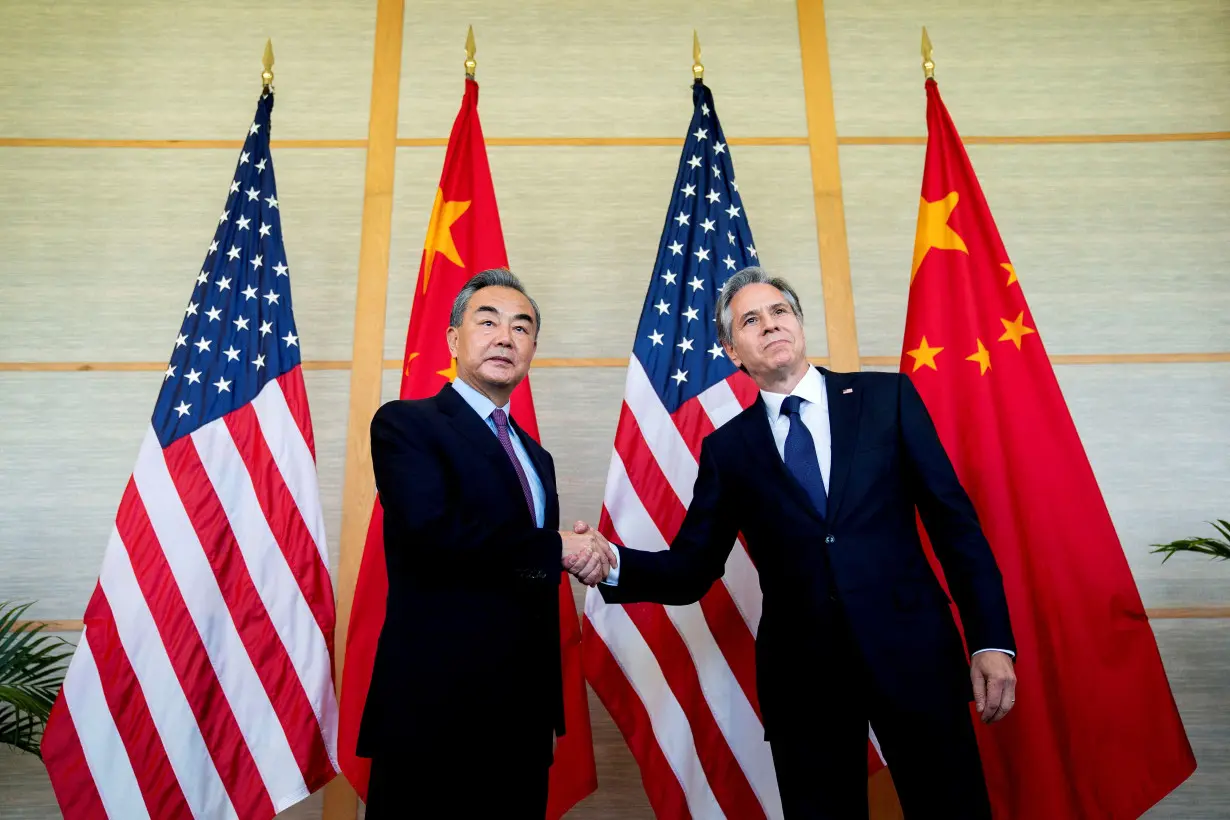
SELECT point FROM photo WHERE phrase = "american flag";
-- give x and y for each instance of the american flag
(680, 681)
(202, 685)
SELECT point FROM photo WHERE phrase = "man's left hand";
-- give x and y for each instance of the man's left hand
(994, 679)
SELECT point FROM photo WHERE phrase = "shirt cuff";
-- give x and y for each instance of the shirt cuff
(1007, 652)
(612, 577)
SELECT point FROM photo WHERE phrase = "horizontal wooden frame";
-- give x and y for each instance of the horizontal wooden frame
(608, 142)
(1174, 613)
(580, 363)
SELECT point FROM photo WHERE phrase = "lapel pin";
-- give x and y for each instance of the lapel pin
(847, 390)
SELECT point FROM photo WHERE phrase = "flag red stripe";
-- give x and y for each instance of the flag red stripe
(694, 424)
(159, 785)
(191, 661)
(744, 388)
(265, 648)
(725, 621)
(284, 517)
(662, 787)
(67, 768)
(295, 393)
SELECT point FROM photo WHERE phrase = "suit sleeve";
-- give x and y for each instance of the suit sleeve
(697, 557)
(412, 486)
(953, 528)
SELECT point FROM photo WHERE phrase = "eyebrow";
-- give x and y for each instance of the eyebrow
(520, 317)
(743, 318)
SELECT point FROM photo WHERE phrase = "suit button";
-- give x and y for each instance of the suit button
(829, 539)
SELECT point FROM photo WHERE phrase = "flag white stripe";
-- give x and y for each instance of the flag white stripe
(290, 452)
(258, 722)
(720, 403)
(724, 697)
(275, 583)
(100, 739)
(169, 709)
(670, 724)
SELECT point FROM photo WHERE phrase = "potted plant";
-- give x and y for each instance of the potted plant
(32, 667)
(1213, 547)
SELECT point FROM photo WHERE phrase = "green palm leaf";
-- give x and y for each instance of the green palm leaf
(32, 667)
(1212, 547)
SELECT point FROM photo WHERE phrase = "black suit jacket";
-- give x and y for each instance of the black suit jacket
(470, 643)
(886, 461)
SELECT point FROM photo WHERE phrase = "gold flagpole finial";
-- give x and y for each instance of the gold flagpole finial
(928, 63)
(470, 49)
(267, 62)
(698, 68)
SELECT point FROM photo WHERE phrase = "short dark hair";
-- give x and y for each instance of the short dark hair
(491, 278)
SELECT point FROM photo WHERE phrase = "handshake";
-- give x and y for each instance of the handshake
(587, 554)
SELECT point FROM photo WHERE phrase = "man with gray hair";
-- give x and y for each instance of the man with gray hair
(466, 694)
(822, 475)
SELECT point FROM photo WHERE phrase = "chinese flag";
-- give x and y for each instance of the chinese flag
(463, 238)
(1095, 731)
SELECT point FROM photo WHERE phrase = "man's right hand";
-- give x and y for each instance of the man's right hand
(587, 554)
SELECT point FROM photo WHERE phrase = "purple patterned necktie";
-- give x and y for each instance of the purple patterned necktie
(501, 430)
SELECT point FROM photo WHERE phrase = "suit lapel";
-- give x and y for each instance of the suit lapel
(843, 433)
(475, 430)
(759, 437)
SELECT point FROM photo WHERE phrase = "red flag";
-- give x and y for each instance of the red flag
(1095, 731)
(463, 238)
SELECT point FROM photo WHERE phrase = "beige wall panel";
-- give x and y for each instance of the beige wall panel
(100, 247)
(70, 441)
(1025, 67)
(1159, 444)
(556, 68)
(582, 227)
(1197, 659)
(143, 69)
(1119, 248)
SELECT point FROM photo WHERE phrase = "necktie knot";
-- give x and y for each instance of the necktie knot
(791, 405)
(500, 418)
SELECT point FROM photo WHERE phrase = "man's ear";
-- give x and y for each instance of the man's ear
(451, 337)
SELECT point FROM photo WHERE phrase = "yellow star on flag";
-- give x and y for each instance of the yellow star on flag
(983, 357)
(924, 355)
(449, 372)
(1016, 330)
(1011, 271)
(440, 234)
(933, 230)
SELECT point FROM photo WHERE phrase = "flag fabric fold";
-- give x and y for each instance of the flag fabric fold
(1095, 731)
(202, 685)
(680, 682)
(463, 238)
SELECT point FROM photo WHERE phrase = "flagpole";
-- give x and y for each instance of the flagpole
(928, 63)
(470, 49)
(698, 68)
(267, 62)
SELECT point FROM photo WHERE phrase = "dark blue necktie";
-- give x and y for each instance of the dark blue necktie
(801, 459)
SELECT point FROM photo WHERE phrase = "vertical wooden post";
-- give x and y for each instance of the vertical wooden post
(359, 491)
(826, 187)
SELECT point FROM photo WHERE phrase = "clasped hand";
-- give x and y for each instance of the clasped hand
(587, 554)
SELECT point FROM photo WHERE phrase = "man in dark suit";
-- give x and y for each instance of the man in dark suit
(466, 695)
(822, 475)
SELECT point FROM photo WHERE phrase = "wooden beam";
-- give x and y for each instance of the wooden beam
(826, 187)
(367, 367)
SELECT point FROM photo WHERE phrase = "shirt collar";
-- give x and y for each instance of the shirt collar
(810, 389)
(480, 403)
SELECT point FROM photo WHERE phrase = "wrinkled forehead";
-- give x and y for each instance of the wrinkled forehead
(501, 301)
(755, 298)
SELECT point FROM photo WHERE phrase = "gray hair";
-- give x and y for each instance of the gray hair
(736, 283)
(491, 278)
